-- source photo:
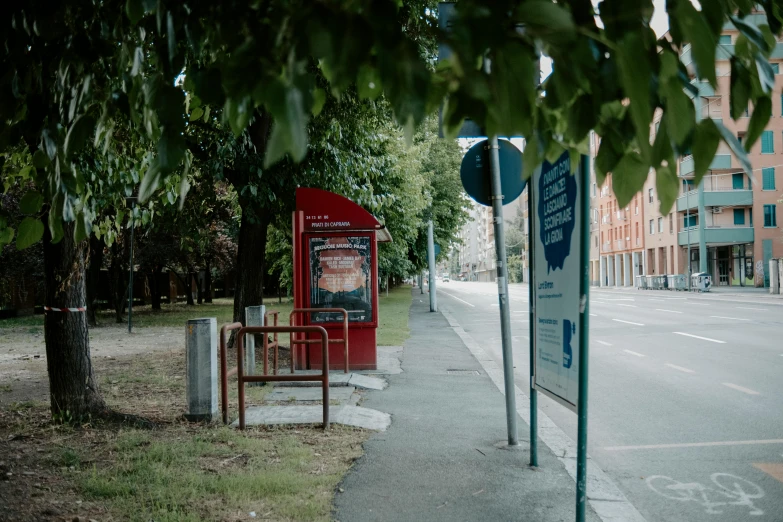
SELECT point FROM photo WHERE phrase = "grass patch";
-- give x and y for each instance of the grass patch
(393, 316)
(285, 474)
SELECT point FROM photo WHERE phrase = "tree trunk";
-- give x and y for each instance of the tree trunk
(72, 386)
(154, 278)
(199, 287)
(208, 282)
(251, 263)
(189, 288)
(93, 279)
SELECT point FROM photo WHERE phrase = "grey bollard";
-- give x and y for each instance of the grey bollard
(254, 316)
(774, 277)
(201, 368)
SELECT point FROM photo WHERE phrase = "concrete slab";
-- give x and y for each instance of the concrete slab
(309, 394)
(367, 382)
(348, 415)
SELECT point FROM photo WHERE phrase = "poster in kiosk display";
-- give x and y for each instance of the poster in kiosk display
(558, 245)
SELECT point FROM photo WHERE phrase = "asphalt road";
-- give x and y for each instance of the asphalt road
(685, 394)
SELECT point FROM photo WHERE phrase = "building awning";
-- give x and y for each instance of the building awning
(326, 211)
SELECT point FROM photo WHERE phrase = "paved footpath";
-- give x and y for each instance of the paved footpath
(445, 455)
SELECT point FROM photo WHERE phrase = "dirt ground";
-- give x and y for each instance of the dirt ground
(44, 466)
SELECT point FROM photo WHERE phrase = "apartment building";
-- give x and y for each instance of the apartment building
(660, 240)
(730, 222)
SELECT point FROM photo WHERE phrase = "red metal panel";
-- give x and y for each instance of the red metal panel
(326, 211)
(362, 350)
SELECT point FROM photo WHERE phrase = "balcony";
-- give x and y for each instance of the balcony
(720, 161)
(717, 235)
(621, 244)
(719, 191)
(607, 219)
(622, 215)
(606, 246)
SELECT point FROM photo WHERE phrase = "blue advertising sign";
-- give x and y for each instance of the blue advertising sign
(556, 280)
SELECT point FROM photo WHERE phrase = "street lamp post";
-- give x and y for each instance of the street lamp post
(688, 228)
(132, 201)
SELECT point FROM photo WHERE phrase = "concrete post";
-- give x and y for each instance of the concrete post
(610, 270)
(780, 274)
(254, 316)
(602, 271)
(774, 277)
(618, 267)
(627, 270)
(201, 369)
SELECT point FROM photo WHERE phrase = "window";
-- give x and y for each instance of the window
(768, 178)
(775, 67)
(660, 225)
(636, 210)
(687, 185)
(739, 216)
(767, 145)
(725, 39)
(689, 221)
(652, 226)
(750, 216)
(650, 193)
(770, 218)
(737, 181)
(671, 223)
(594, 188)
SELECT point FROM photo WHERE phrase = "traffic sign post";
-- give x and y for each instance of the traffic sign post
(561, 231)
(491, 174)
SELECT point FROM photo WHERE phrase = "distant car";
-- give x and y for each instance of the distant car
(445, 278)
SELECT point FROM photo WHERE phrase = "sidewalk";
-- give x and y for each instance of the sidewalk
(445, 455)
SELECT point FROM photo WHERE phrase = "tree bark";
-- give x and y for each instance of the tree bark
(251, 263)
(154, 278)
(208, 281)
(93, 279)
(189, 288)
(199, 287)
(72, 386)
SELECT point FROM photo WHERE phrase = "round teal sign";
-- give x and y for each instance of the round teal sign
(475, 173)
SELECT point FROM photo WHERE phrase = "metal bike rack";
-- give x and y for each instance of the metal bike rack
(297, 341)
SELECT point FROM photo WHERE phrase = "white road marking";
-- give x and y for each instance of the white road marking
(629, 306)
(750, 308)
(628, 322)
(670, 311)
(680, 368)
(740, 388)
(697, 444)
(635, 353)
(593, 315)
(458, 299)
(700, 337)
(656, 299)
(729, 318)
(699, 304)
(603, 342)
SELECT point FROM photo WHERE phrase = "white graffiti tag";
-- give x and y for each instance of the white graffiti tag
(730, 490)
(760, 270)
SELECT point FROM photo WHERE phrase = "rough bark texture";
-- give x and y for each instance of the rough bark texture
(208, 282)
(93, 279)
(251, 264)
(72, 386)
(154, 279)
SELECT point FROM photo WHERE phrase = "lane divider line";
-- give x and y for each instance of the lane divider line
(670, 311)
(635, 353)
(700, 337)
(740, 388)
(751, 308)
(603, 342)
(729, 318)
(629, 306)
(628, 322)
(680, 368)
(697, 444)
(593, 315)
(457, 298)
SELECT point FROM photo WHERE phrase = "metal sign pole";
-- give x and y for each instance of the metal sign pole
(431, 261)
(531, 256)
(130, 269)
(584, 340)
(505, 317)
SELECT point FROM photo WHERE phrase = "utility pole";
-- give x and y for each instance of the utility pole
(132, 201)
(431, 262)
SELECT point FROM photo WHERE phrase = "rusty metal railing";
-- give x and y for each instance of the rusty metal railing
(274, 344)
(297, 341)
(242, 378)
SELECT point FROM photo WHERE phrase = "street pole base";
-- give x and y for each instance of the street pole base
(522, 445)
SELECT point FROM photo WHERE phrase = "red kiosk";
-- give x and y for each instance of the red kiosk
(336, 266)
